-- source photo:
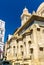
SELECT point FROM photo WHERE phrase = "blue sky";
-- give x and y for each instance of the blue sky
(10, 11)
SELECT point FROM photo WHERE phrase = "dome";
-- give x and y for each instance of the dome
(40, 7)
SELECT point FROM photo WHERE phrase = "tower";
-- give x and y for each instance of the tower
(2, 33)
(25, 16)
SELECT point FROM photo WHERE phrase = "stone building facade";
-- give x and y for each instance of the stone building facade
(2, 33)
(26, 46)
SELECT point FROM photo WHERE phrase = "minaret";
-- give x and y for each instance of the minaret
(2, 33)
(25, 16)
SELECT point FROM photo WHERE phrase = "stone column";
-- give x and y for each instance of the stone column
(24, 46)
(27, 45)
(35, 48)
(19, 49)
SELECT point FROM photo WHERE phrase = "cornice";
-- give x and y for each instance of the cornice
(32, 18)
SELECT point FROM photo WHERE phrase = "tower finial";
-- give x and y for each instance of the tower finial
(25, 9)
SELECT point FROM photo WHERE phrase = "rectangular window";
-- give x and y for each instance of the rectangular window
(31, 33)
(14, 50)
(21, 46)
(30, 57)
(22, 53)
(38, 29)
(31, 50)
(0, 39)
(1, 31)
(41, 48)
(29, 42)
(0, 52)
(25, 43)
(13, 46)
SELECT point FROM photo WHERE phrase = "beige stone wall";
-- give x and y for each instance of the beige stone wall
(29, 41)
(27, 48)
